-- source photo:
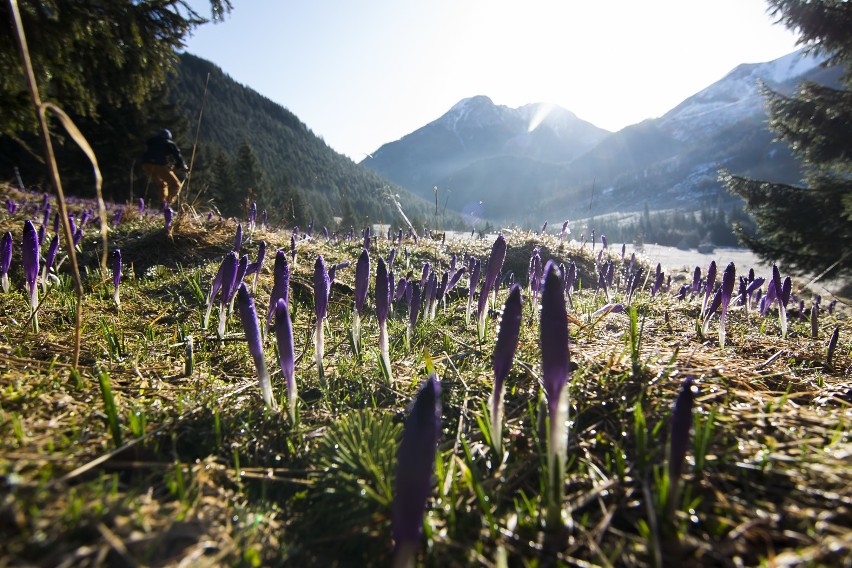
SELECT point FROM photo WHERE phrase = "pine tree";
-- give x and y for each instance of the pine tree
(91, 54)
(251, 184)
(809, 228)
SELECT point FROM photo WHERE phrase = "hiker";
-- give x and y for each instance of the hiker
(160, 160)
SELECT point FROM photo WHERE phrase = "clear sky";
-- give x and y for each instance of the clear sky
(361, 73)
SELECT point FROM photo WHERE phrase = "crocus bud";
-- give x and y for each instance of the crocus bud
(728, 279)
(115, 262)
(5, 259)
(832, 345)
(321, 291)
(248, 317)
(280, 284)
(383, 292)
(681, 422)
(814, 321)
(168, 215)
(415, 464)
(238, 239)
(29, 254)
(501, 360)
(495, 262)
(286, 353)
(362, 280)
(555, 361)
(229, 268)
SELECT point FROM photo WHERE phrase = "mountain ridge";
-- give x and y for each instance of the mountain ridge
(672, 157)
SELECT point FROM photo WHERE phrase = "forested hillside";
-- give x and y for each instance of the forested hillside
(253, 148)
(249, 148)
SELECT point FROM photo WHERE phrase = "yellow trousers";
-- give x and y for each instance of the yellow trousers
(166, 179)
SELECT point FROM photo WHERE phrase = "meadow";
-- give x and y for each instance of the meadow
(158, 448)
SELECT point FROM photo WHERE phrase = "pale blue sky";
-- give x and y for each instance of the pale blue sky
(362, 73)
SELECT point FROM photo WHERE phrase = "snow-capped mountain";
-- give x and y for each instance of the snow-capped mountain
(539, 160)
(735, 96)
(476, 129)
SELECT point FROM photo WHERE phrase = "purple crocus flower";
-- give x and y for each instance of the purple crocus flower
(252, 216)
(248, 317)
(608, 309)
(501, 360)
(679, 438)
(115, 264)
(832, 345)
(293, 247)
(473, 282)
(332, 272)
(783, 300)
(495, 262)
(565, 231)
(429, 295)
(711, 309)
(553, 332)
(141, 206)
(321, 291)
(228, 283)
(214, 289)
(696, 281)
(424, 276)
(280, 285)
(536, 271)
(265, 219)
(238, 239)
(168, 215)
(815, 321)
(454, 279)
(29, 254)
(412, 296)
(544, 227)
(414, 468)
(52, 248)
(382, 305)
(362, 284)
(5, 260)
(256, 266)
(658, 280)
(708, 288)
(754, 285)
(603, 241)
(242, 268)
(570, 277)
(401, 287)
(40, 235)
(366, 235)
(728, 279)
(286, 353)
